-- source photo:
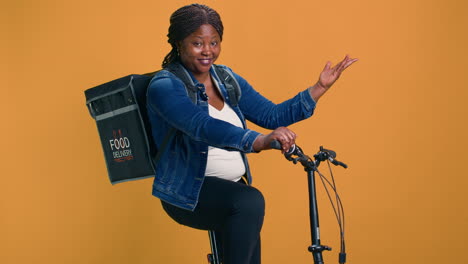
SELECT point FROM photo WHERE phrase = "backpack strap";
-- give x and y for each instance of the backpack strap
(169, 135)
(230, 82)
(180, 72)
(226, 77)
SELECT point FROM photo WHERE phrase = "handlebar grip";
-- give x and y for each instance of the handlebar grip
(275, 144)
(339, 163)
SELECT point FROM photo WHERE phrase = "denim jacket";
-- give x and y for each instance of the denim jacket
(181, 169)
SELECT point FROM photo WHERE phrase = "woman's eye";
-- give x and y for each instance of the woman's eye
(215, 43)
(197, 44)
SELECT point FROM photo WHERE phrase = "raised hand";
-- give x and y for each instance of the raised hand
(328, 77)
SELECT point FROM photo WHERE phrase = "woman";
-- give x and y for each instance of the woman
(200, 177)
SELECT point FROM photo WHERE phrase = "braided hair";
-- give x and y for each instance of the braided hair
(187, 20)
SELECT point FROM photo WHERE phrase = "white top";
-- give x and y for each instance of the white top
(222, 163)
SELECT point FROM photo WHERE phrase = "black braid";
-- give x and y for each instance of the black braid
(187, 20)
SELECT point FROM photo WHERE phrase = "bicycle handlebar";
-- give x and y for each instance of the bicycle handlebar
(295, 154)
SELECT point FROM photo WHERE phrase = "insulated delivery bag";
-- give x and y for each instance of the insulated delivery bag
(119, 109)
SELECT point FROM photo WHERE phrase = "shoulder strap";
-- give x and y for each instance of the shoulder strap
(231, 84)
(169, 135)
(226, 77)
(178, 70)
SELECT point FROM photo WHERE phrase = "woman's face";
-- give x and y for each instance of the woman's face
(199, 50)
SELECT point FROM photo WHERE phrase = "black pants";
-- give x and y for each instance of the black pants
(232, 209)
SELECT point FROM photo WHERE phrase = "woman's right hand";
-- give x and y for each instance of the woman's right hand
(284, 135)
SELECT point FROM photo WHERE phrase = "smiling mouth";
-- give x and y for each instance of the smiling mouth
(205, 61)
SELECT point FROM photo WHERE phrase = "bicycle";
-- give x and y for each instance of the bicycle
(296, 155)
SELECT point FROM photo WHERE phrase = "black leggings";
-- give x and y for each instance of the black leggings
(232, 209)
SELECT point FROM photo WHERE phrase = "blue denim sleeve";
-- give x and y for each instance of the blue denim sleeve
(262, 112)
(168, 98)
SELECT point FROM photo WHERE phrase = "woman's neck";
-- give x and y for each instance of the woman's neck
(203, 77)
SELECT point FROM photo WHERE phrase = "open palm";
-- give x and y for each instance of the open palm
(328, 77)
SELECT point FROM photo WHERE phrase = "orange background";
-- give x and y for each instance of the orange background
(397, 117)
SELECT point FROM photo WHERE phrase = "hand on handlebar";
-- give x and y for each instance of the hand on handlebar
(283, 135)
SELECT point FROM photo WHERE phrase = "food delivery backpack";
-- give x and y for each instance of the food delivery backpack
(119, 109)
